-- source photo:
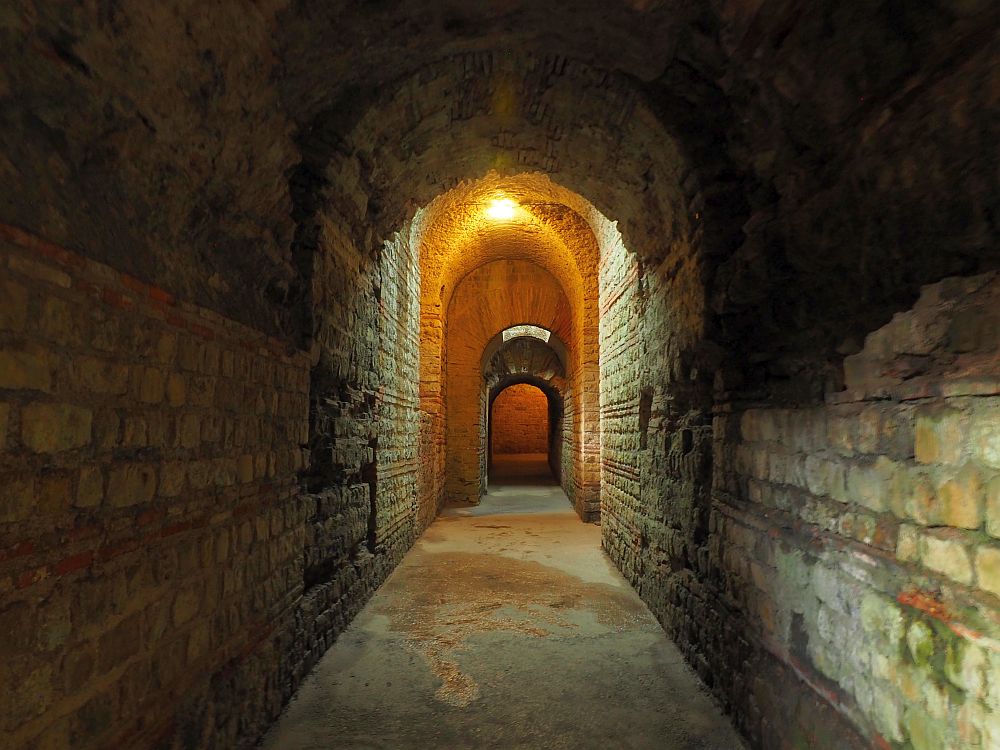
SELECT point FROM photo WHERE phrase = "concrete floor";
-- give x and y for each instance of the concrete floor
(505, 626)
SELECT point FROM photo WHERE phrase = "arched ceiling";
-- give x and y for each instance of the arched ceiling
(457, 235)
(496, 296)
(523, 358)
(456, 120)
(827, 158)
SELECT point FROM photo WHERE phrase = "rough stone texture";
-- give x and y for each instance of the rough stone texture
(150, 563)
(520, 420)
(862, 522)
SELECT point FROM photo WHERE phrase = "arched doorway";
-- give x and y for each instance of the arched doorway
(524, 433)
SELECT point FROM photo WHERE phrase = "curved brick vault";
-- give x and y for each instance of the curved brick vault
(248, 283)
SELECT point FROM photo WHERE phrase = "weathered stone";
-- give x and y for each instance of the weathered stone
(245, 468)
(984, 435)
(189, 431)
(961, 497)
(27, 369)
(186, 605)
(175, 389)
(151, 385)
(908, 543)
(13, 305)
(100, 376)
(40, 271)
(993, 507)
(988, 568)
(131, 484)
(50, 428)
(948, 556)
(90, 487)
(940, 436)
(53, 493)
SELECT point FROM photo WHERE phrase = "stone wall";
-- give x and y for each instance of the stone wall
(362, 500)
(857, 543)
(520, 421)
(150, 527)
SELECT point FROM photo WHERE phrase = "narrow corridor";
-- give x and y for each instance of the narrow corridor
(505, 626)
(525, 374)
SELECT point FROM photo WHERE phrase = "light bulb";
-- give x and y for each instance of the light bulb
(501, 208)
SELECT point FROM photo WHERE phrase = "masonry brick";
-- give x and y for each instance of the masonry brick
(131, 484)
(947, 555)
(993, 507)
(28, 369)
(940, 436)
(51, 428)
(13, 305)
(961, 497)
(988, 568)
(4, 419)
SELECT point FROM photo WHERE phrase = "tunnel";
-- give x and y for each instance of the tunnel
(592, 374)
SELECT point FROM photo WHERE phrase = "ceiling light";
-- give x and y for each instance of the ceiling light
(501, 208)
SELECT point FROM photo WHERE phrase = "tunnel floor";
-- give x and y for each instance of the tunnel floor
(505, 626)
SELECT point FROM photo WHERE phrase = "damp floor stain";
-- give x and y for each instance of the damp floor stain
(504, 627)
(445, 598)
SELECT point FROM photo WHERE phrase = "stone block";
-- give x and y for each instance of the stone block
(25, 370)
(920, 642)
(166, 347)
(984, 435)
(172, 476)
(131, 485)
(869, 485)
(17, 497)
(908, 543)
(175, 389)
(186, 605)
(245, 468)
(61, 322)
(90, 487)
(50, 428)
(948, 556)
(53, 494)
(988, 568)
(940, 436)
(993, 507)
(922, 504)
(882, 617)
(151, 385)
(40, 271)
(99, 376)
(13, 306)
(107, 429)
(961, 498)
(189, 431)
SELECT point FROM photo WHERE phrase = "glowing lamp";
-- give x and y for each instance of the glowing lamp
(501, 208)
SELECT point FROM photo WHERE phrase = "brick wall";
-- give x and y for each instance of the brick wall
(520, 421)
(150, 525)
